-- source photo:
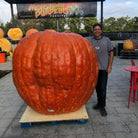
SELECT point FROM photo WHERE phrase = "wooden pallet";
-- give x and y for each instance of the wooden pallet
(129, 54)
(31, 118)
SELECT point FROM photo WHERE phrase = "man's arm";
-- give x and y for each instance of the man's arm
(109, 69)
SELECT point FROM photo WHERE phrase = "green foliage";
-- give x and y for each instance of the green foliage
(27, 24)
(133, 24)
(1, 25)
(121, 24)
(61, 24)
(110, 24)
(7, 27)
(88, 23)
(53, 23)
(76, 25)
(48, 23)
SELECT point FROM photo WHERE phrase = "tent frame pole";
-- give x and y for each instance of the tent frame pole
(102, 14)
(13, 25)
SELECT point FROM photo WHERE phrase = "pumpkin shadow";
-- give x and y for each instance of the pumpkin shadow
(4, 72)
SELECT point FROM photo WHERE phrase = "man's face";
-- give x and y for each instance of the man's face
(97, 31)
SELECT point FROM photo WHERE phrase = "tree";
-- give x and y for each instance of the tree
(57, 24)
(74, 24)
(8, 25)
(136, 23)
(1, 25)
(24, 25)
(122, 23)
(110, 25)
(62, 22)
(133, 24)
(48, 23)
(27, 24)
(88, 23)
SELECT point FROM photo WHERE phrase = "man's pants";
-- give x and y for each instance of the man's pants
(101, 88)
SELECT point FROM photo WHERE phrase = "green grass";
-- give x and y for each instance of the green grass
(4, 72)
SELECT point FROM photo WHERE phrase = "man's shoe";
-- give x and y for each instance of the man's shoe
(96, 107)
(103, 111)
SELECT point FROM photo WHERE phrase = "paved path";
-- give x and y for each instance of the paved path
(7, 65)
(121, 122)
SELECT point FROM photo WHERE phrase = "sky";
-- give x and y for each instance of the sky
(111, 8)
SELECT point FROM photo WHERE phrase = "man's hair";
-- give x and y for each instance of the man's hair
(97, 24)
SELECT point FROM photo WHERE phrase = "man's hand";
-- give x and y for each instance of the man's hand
(109, 69)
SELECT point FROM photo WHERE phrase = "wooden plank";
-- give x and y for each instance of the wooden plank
(129, 54)
(128, 57)
(128, 51)
(30, 116)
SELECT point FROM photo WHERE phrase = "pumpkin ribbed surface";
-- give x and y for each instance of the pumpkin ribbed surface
(128, 45)
(55, 72)
(5, 45)
(51, 30)
(15, 34)
(1, 33)
(30, 31)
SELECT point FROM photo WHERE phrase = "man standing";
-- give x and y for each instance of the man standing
(105, 55)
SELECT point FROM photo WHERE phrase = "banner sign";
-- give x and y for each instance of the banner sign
(41, 10)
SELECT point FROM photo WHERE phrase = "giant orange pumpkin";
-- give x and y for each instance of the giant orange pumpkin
(55, 72)
(128, 45)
